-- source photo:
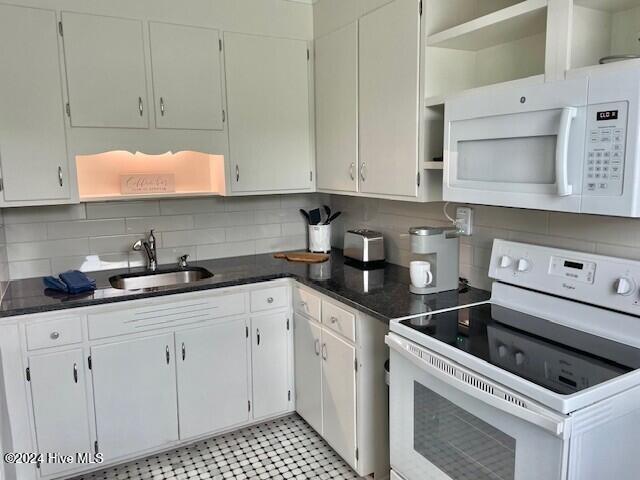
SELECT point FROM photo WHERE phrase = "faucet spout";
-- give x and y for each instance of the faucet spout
(149, 247)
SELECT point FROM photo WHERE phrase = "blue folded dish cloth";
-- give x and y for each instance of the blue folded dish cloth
(71, 282)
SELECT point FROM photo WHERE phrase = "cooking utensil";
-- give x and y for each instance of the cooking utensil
(327, 211)
(305, 215)
(332, 218)
(303, 257)
(315, 217)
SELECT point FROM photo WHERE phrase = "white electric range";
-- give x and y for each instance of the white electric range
(542, 382)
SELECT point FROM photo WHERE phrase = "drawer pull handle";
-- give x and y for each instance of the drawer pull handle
(167, 355)
(334, 320)
(258, 336)
(317, 347)
(184, 352)
(54, 335)
(270, 300)
(75, 372)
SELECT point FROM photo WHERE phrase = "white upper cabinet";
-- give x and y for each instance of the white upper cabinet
(269, 126)
(187, 77)
(105, 71)
(389, 99)
(33, 149)
(336, 70)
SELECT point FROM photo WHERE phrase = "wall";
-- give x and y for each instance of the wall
(589, 233)
(4, 265)
(99, 236)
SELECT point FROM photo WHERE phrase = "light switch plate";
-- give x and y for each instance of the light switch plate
(464, 220)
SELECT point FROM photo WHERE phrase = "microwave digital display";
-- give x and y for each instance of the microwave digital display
(607, 115)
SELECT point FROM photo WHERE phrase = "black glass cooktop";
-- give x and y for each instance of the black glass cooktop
(559, 358)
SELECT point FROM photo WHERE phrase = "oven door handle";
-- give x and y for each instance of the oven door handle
(562, 151)
(551, 422)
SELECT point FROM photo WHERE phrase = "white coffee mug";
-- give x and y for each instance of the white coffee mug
(421, 275)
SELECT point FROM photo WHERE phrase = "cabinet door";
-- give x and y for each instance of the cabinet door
(336, 57)
(134, 385)
(389, 99)
(213, 378)
(186, 77)
(308, 370)
(268, 102)
(270, 364)
(105, 71)
(33, 149)
(339, 395)
(59, 394)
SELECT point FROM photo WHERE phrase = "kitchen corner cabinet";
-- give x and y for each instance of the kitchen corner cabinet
(62, 426)
(270, 141)
(270, 364)
(213, 378)
(389, 99)
(33, 146)
(106, 76)
(339, 377)
(187, 76)
(336, 85)
(137, 377)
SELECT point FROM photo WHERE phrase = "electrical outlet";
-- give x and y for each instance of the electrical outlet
(464, 220)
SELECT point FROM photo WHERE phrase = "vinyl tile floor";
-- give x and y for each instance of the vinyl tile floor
(285, 448)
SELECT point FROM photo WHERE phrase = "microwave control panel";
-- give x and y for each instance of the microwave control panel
(606, 147)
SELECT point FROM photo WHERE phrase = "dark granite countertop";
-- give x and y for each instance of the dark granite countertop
(382, 293)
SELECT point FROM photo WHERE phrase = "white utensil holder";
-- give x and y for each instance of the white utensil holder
(320, 238)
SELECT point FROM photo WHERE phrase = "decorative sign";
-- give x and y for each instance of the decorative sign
(147, 183)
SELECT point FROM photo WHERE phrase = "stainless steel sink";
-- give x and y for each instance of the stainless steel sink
(160, 278)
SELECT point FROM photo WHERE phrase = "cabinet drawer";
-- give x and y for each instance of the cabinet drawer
(63, 331)
(306, 303)
(269, 298)
(339, 320)
(113, 322)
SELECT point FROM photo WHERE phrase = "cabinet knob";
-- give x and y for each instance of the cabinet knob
(270, 300)
(54, 335)
(334, 320)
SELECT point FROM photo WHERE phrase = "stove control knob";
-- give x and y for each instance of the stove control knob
(524, 265)
(624, 286)
(506, 261)
(519, 358)
(502, 351)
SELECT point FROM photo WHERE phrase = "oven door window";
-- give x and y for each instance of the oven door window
(458, 443)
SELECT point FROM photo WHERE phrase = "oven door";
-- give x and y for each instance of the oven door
(448, 423)
(517, 146)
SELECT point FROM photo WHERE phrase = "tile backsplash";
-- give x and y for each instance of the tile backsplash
(98, 236)
(588, 233)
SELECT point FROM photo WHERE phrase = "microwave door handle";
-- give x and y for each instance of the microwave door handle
(562, 151)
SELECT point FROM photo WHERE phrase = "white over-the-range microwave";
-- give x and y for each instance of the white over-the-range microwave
(570, 145)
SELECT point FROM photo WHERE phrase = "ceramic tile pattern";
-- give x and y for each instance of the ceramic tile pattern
(98, 236)
(588, 233)
(280, 449)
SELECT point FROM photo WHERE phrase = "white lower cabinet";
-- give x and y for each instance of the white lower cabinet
(213, 378)
(339, 395)
(308, 371)
(62, 425)
(270, 364)
(339, 378)
(134, 384)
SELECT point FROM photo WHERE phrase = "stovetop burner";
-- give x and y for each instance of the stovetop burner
(553, 356)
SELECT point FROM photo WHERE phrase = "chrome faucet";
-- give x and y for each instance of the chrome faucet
(149, 246)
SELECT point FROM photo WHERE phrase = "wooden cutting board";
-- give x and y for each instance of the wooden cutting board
(304, 257)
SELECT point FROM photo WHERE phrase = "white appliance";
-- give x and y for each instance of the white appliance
(570, 145)
(539, 383)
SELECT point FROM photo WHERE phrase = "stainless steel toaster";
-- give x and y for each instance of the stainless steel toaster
(364, 246)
